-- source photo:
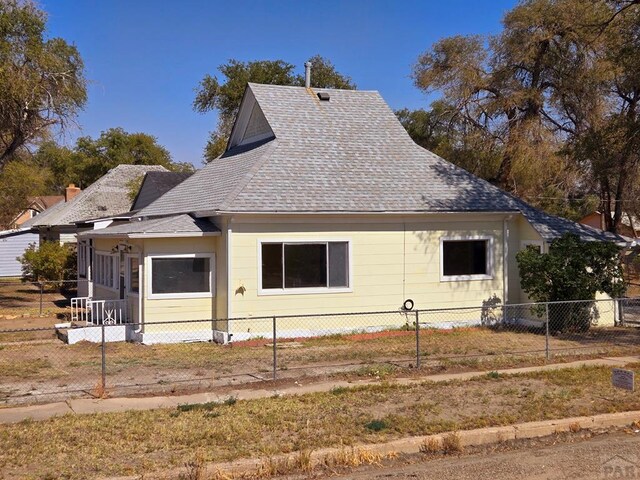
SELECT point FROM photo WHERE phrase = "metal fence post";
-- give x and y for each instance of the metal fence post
(104, 361)
(417, 339)
(546, 340)
(275, 355)
(41, 293)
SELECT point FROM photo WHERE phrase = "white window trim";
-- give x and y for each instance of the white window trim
(537, 243)
(311, 290)
(157, 296)
(127, 274)
(114, 271)
(490, 262)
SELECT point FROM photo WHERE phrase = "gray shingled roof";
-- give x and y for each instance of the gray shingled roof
(107, 196)
(550, 226)
(347, 155)
(173, 226)
(350, 154)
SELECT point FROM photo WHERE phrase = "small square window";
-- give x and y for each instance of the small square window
(465, 259)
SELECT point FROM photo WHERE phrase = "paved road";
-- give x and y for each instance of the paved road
(615, 455)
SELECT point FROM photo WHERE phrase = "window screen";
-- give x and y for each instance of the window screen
(464, 257)
(305, 265)
(180, 275)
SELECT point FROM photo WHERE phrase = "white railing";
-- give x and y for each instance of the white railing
(79, 309)
(107, 312)
(98, 312)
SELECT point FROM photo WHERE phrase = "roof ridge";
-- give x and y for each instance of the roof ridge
(271, 85)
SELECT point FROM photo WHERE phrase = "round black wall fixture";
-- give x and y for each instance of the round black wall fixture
(408, 304)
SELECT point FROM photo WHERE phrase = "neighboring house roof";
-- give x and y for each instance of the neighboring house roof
(156, 184)
(628, 220)
(45, 201)
(174, 226)
(291, 152)
(107, 196)
(37, 204)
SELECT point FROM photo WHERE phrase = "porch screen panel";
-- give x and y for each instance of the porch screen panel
(180, 275)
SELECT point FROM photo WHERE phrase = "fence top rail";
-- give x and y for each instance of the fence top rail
(407, 313)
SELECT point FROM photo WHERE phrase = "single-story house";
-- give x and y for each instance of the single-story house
(320, 204)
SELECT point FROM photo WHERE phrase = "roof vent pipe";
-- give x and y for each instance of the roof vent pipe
(307, 74)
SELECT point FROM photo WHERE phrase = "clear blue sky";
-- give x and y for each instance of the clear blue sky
(144, 58)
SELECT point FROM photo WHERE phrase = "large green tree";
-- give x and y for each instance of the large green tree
(115, 147)
(554, 95)
(91, 158)
(42, 81)
(224, 96)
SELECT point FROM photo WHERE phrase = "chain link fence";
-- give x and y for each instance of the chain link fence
(36, 364)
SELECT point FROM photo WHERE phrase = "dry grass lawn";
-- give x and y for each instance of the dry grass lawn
(86, 446)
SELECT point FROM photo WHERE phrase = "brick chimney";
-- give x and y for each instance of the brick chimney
(70, 192)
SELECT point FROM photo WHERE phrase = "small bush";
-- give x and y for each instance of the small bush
(339, 390)
(50, 262)
(376, 425)
(572, 270)
(431, 445)
(451, 443)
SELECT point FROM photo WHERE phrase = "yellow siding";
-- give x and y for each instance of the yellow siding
(390, 263)
(179, 309)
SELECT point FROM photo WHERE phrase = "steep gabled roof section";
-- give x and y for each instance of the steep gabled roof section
(107, 196)
(155, 184)
(348, 154)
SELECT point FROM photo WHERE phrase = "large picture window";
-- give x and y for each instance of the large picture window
(290, 266)
(181, 276)
(465, 258)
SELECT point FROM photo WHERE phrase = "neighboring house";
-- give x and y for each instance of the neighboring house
(36, 206)
(321, 203)
(107, 196)
(13, 243)
(630, 224)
